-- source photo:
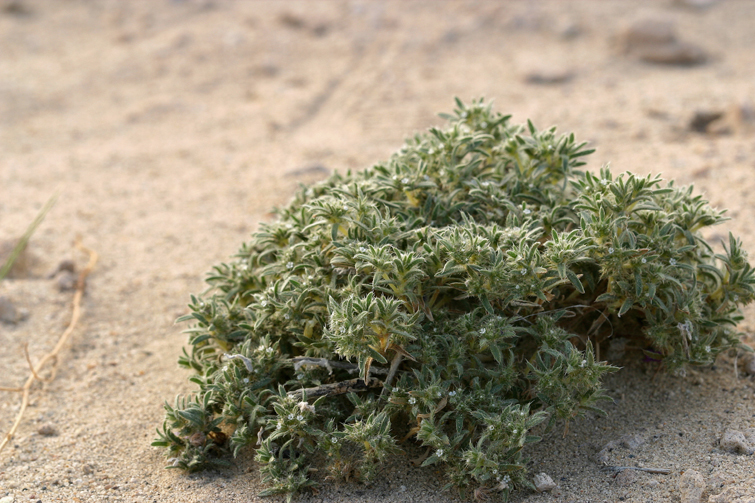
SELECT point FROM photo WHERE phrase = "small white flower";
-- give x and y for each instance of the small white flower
(482, 331)
(604, 182)
(334, 440)
(527, 211)
(485, 184)
(269, 350)
(439, 452)
(300, 376)
(644, 260)
(290, 265)
(290, 416)
(707, 349)
(405, 181)
(225, 368)
(362, 249)
(522, 413)
(610, 250)
(439, 394)
(736, 298)
(515, 431)
(464, 115)
(263, 303)
(524, 271)
(278, 426)
(299, 417)
(412, 400)
(584, 362)
(495, 471)
(451, 393)
(483, 125)
(491, 427)
(246, 380)
(287, 316)
(517, 287)
(672, 261)
(244, 267)
(431, 151)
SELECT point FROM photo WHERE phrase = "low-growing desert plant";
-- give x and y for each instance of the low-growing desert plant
(455, 296)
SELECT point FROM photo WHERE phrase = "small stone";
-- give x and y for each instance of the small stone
(702, 119)
(548, 76)
(655, 41)
(66, 281)
(568, 30)
(736, 442)
(88, 469)
(8, 312)
(7, 499)
(691, 486)
(312, 169)
(750, 366)
(543, 482)
(625, 478)
(47, 430)
(646, 32)
(64, 265)
(678, 54)
(603, 456)
(631, 441)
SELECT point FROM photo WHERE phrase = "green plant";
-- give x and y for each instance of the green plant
(21, 245)
(456, 295)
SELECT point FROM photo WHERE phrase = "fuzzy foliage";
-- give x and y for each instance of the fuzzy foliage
(457, 295)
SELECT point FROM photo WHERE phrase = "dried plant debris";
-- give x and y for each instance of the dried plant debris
(457, 295)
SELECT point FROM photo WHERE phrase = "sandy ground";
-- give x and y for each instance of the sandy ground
(172, 128)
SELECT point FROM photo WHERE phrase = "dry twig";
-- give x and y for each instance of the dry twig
(52, 355)
(338, 388)
(618, 469)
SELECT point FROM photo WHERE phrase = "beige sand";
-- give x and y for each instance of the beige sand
(172, 128)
